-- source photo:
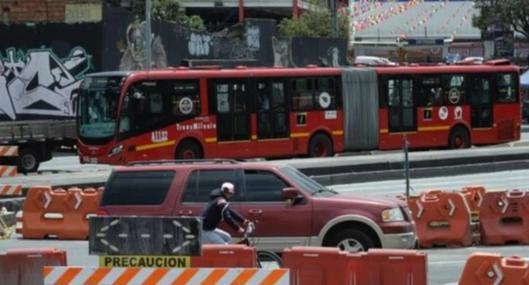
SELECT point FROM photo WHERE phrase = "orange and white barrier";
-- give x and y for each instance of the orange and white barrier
(10, 190)
(155, 276)
(8, 151)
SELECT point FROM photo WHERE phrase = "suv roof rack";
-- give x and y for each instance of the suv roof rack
(182, 161)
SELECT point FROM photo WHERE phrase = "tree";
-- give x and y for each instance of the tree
(503, 14)
(314, 23)
(165, 10)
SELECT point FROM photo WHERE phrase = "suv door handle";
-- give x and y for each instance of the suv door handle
(255, 211)
(185, 212)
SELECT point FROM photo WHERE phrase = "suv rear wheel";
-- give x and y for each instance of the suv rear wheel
(352, 240)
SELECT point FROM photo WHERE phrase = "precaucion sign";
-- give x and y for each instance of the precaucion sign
(144, 261)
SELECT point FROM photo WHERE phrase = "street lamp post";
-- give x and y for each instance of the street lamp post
(148, 34)
(334, 21)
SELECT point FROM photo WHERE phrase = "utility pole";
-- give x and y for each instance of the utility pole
(352, 27)
(148, 34)
(241, 11)
(334, 20)
(406, 166)
(295, 9)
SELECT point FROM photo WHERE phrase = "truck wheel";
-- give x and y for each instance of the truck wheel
(352, 240)
(189, 150)
(320, 146)
(28, 160)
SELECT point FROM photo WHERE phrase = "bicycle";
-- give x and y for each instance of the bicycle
(265, 258)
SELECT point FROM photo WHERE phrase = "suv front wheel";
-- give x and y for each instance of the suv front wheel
(352, 240)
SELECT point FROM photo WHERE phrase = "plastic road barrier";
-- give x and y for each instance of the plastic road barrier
(489, 268)
(504, 217)
(8, 151)
(230, 255)
(442, 218)
(24, 266)
(323, 266)
(474, 196)
(59, 213)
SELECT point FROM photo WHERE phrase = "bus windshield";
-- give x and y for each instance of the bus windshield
(98, 106)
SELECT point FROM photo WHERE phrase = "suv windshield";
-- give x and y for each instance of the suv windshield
(98, 106)
(307, 184)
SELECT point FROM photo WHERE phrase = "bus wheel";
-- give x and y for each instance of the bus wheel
(320, 146)
(189, 150)
(459, 138)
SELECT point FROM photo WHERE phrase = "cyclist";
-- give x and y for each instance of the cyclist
(217, 210)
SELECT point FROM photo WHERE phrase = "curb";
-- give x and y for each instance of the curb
(425, 172)
(367, 170)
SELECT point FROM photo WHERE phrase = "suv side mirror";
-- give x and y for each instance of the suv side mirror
(292, 194)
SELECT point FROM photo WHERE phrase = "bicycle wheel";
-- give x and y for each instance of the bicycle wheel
(268, 260)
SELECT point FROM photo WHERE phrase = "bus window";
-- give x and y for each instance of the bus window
(149, 105)
(302, 96)
(454, 89)
(185, 99)
(506, 88)
(430, 92)
(325, 94)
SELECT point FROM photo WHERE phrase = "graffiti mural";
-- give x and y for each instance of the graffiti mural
(199, 44)
(38, 82)
(133, 57)
(282, 52)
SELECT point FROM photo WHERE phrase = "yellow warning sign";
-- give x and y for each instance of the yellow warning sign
(144, 261)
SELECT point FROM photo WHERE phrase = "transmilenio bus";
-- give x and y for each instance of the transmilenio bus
(284, 112)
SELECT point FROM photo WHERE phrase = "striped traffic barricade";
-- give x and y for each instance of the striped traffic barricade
(8, 151)
(159, 276)
(10, 190)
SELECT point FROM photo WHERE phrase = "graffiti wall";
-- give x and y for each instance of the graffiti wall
(253, 43)
(41, 68)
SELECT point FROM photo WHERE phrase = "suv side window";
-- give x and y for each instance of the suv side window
(137, 188)
(262, 186)
(202, 182)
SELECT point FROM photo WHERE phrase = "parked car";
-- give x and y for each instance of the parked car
(317, 216)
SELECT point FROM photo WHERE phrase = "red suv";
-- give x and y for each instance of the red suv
(318, 216)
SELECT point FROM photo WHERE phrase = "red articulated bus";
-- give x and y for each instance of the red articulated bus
(284, 112)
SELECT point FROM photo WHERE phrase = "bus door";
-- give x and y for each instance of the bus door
(272, 111)
(401, 105)
(480, 101)
(273, 128)
(233, 117)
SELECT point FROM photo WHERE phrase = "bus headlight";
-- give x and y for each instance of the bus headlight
(392, 215)
(115, 150)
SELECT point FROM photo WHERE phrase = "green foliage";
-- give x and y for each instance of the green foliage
(314, 23)
(503, 14)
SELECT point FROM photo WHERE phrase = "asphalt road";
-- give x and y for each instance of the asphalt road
(444, 265)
